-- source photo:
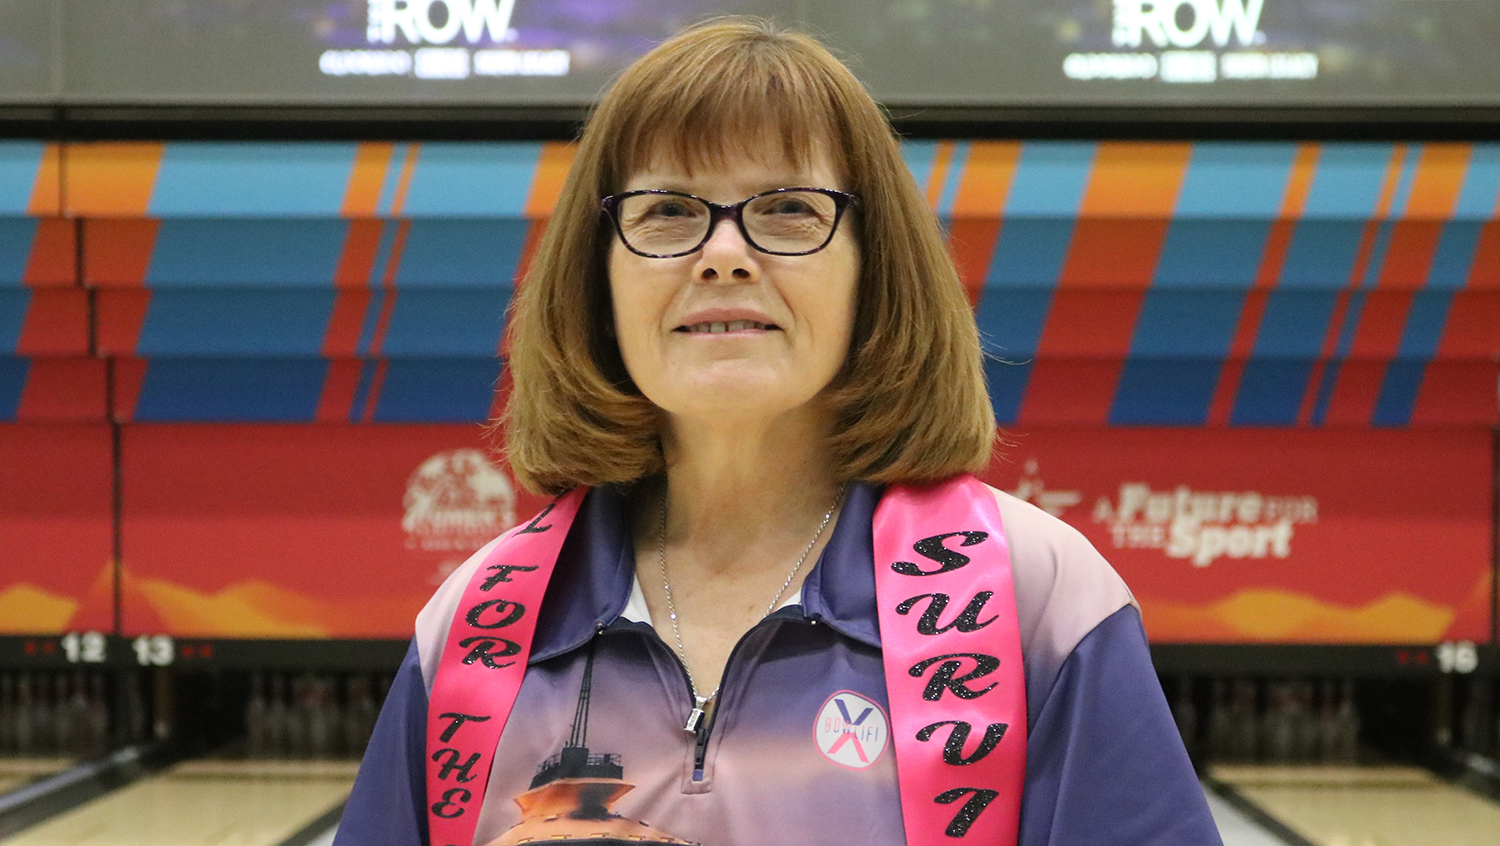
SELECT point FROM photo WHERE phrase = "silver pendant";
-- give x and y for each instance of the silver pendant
(696, 715)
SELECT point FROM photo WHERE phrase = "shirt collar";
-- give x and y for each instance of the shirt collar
(591, 584)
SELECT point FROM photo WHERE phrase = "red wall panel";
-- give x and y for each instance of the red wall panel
(55, 531)
(1305, 536)
(302, 531)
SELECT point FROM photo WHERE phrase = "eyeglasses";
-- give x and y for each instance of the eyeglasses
(783, 222)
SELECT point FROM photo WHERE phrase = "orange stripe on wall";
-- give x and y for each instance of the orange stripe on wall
(110, 179)
(1358, 402)
(942, 158)
(366, 175)
(1136, 180)
(1299, 184)
(403, 182)
(987, 177)
(46, 192)
(983, 188)
(1273, 259)
(546, 185)
(1439, 180)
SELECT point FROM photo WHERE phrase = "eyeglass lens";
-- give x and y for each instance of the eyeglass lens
(780, 222)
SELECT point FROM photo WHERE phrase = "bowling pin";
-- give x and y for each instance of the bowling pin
(98, 716)
(256, 714)
(7, 714)
(359, 716)
(1246, 725)
(1348, 716)
(1185, 713)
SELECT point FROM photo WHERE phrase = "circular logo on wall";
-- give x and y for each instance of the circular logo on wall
(457, 501)
(851, 731)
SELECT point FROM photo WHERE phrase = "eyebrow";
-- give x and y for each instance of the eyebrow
(760, 187)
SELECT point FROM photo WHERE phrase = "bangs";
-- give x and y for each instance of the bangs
(699, 107)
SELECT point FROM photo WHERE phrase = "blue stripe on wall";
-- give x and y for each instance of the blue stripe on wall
(1010, 321)
(372, 319)
(1295, 324)
(1405, 180)
(1029, 253)
(1218, 252)
(1398, 393)
(447, 321)
(219, 389)
(19, 163)
(236, 321)
(1164, 392)
(246, 251)
(451, 252)
(1424, 324)
(1322, 253)
(1480, 195)
(384, 250)
(1454, 257)
(1271, 392)
(446, 391)
(392, 179)
(13, 305)
(953, 179)
(16, 236)
(1050, 179)
(252, 179)
(1236, 180)
(1007, 383)
(1347, 181)
(13, 372)
(1189, 323)
(919, 157)
(472, 180)
(362, 389)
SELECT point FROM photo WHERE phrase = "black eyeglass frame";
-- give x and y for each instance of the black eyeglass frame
(716, 212)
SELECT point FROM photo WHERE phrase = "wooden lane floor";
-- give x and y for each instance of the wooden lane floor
(203, 803)
(15, 772)
(1367, 806)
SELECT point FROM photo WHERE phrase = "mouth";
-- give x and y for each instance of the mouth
(720, 327)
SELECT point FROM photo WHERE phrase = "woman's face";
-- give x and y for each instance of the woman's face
(729, 331)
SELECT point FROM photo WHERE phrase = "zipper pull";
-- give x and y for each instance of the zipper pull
(696, 715)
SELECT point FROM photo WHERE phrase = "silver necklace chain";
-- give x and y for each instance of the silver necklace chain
(701, 702)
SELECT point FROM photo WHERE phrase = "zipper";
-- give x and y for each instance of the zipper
(703, 731)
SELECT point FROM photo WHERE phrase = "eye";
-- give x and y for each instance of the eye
(670, 207)
(794, 204)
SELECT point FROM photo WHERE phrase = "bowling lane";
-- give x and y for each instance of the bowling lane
(204, 803)
(1367, 806)
(15, 772)
(1237, 829)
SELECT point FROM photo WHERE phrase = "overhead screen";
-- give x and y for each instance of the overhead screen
(28, 51)
(1308, 53)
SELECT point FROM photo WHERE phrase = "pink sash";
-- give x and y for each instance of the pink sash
(484, 661)
(954, 677)
(947, 675)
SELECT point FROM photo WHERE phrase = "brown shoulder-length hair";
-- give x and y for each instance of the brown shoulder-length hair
(909, 404)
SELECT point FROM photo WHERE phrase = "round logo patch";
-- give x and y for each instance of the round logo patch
(851, 730)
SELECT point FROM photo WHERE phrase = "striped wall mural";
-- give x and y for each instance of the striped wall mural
(1197, 284)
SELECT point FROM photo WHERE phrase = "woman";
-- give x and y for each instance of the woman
(742, 356)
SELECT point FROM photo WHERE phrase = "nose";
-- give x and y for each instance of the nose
(726, 256)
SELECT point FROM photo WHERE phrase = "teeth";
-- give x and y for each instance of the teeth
(726, 326)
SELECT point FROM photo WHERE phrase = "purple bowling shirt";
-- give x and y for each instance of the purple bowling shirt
(798, 751)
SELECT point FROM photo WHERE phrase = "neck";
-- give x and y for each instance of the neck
(729, 488)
